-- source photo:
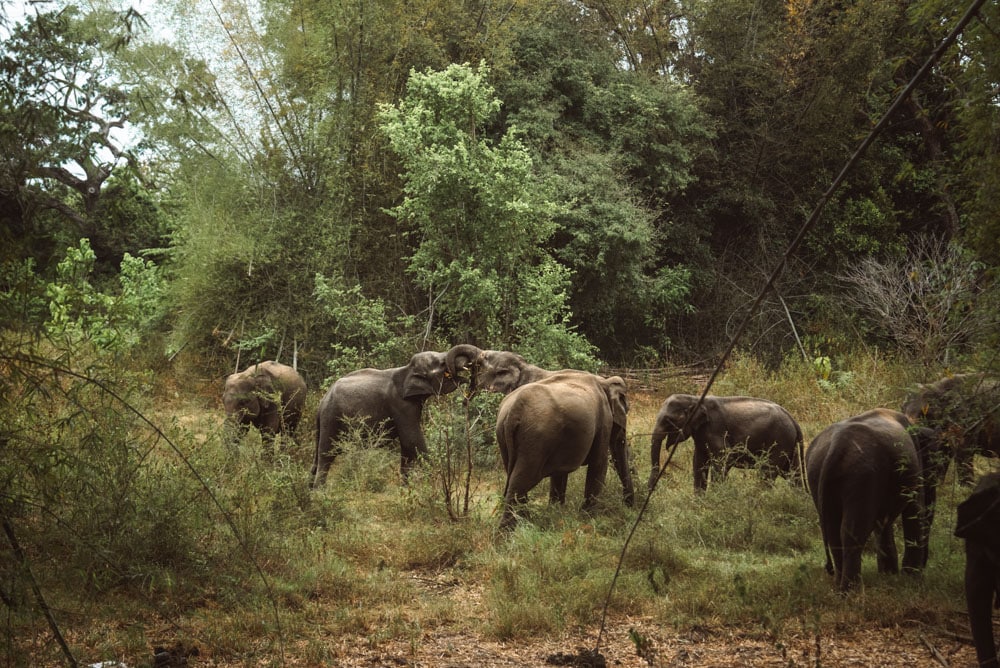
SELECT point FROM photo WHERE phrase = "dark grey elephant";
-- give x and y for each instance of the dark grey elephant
(552, 427)
(269, 396)
(729, 432)
(392, 399)
(979, 524)
(863, 473)
(965, 409)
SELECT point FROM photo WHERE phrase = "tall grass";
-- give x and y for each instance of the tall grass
(248, 564)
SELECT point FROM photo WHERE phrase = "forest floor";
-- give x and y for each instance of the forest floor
(912, 646)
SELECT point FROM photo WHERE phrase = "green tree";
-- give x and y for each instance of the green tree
(69, 168)
(481, 217)
(616, 146)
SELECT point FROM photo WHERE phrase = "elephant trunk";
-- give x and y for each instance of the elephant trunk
(461, 357)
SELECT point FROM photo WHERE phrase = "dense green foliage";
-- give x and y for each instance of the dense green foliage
(566, 181)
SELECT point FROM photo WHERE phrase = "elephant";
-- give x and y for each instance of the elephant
(552, 427)
(269, 396)
(390, 398)
(979, 524)
(966, 409)
(863, 473)
(728, 432)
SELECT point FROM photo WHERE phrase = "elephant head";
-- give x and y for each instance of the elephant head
(963, 408)
(617, 393)
(242, 396)
(504, 371)
(676, 419)
(427, 374)
(269, 396)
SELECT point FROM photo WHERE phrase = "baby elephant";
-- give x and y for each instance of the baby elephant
(979, 524)
(863, 473)
(554, 426)
(268, 396)
(728, 431)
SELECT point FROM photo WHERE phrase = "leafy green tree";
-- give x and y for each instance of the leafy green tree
(63, 133)
(617, 147)
(481, 216)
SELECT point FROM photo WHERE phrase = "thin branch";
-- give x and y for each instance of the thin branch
(22, 559)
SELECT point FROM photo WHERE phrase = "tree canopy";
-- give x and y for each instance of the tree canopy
(349, 183)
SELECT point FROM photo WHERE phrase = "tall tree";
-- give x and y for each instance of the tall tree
(481, 216)
(64, 134)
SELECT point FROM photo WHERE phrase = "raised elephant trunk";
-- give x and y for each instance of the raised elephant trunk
(461, 357)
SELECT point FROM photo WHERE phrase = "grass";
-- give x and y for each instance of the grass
(254, 566)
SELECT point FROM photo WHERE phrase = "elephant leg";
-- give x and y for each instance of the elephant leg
(620, 458)
(887, 556)
(519, 483)
(829, 528)
(982, 581)
(701, 464)
(557, 487)
(512, 503)
(654, 469)
(411, 446)
(326, 451)
(831, 518)
(964, 465)
(855, 529)
(596, 474)
(916, 533)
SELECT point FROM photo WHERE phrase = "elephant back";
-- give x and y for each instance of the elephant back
(978, 515)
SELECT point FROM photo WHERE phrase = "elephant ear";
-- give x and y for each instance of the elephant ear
(423, 376)
(263, 387)
(617, 392)
(695, 418)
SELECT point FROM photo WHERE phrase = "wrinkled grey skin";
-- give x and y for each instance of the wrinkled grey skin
(552, 427)
(269, 396)
(863, 473)
(392, 399)
(979, 524)
(729, 432)
(965, 409)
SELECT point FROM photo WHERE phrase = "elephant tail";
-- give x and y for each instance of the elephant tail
(800, 454)
(507, 442)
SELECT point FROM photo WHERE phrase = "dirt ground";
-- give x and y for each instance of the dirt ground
(914, 646)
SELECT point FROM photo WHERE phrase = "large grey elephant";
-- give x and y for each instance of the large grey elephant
(269, 396)
(964, 408)
(728, 432)
(863, 473)
(979, 524)
(392, 399)
(552, 427)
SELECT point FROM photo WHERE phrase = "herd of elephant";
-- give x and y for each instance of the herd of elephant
(863, 472)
